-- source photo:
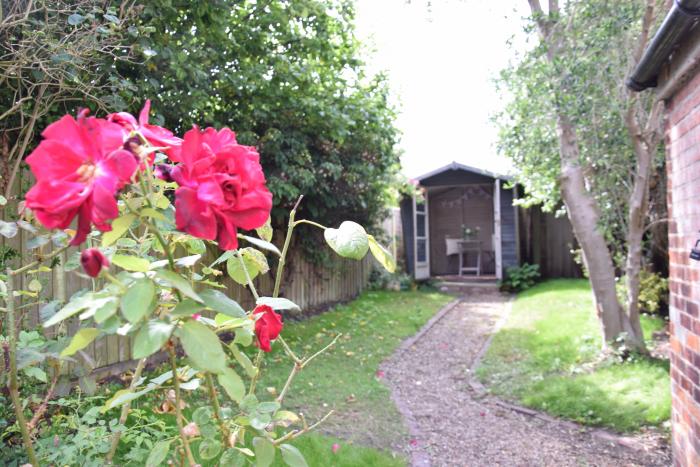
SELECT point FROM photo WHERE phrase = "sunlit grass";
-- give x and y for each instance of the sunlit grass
(539, 358)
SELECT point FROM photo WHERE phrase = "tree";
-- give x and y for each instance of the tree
(288, 78)
(577, 135)
(54, 56)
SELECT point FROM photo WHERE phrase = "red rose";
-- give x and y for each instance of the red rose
(79, 168)
(157, 136)
(267, 327)
(93, 261)
(221, 187)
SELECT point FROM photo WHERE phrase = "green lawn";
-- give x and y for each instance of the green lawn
(365, 424)
(540, 358)
(344, 378)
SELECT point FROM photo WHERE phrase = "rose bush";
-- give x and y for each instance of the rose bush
(151, 283)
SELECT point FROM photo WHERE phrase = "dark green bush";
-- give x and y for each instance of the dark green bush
(519, 278)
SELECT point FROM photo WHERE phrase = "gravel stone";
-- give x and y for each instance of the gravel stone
(452, 423)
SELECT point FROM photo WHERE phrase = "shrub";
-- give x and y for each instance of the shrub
(653, 292)
(519, 278)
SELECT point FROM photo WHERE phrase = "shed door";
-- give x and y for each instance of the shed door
(420, 235)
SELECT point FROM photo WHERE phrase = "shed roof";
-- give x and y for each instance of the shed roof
(456, 166)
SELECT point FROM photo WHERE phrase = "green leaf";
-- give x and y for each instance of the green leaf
(349, 240)
(292, 456)
(119, 226)
(219, 302)
(36, 373)
(187, 307)
(255, 262)
(175, 280)
(75, 19)
(138, 299)
(106, 311)
(382, 255)
(221, 319)
(256, 257)
(131, 263)
(244, 336)
(265, 232)
(209, 448)
(80, 340)
(202, 346)
(243, 360)
(150, 338)
(232, 458)
(264, 452)
(153, 214)
(265, 245)
(278, 303)
(158, 454)
(268, 407)
(203, 416)
(76, 304)
(233, 384)
(260, 421)
(34, 285)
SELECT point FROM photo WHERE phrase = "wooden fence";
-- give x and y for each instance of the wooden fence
(548, 240)
(309, 285)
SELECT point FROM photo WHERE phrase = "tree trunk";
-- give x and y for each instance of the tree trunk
(584, 216)
(637, 212)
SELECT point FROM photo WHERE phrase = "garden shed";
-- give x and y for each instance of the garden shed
(463, 210)
(462, 223)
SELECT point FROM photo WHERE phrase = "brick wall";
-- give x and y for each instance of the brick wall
(683, 166)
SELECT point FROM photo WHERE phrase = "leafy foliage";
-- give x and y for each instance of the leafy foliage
(653, 294)
(587, 84)
(519, 278)
(288, 76)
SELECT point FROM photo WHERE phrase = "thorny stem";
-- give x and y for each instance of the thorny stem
(125, 411)
(178, 410)
(217, 409)
(14, 385)
(253, 290)
(289, 351)
(37, 262)
(256, 376)
(300, 364)
(296, 433)
(296, 369)
(283, 256)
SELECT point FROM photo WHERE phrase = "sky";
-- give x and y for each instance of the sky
(441, 61)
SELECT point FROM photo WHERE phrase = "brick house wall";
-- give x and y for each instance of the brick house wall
(682, 95)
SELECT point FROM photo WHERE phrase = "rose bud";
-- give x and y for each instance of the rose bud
(163, 171)
(133, 145)
(93, 261)
(267, 326)
(190, 430)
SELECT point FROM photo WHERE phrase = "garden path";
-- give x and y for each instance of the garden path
(452, 423)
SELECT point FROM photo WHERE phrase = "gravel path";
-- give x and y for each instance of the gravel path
(453, 425)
